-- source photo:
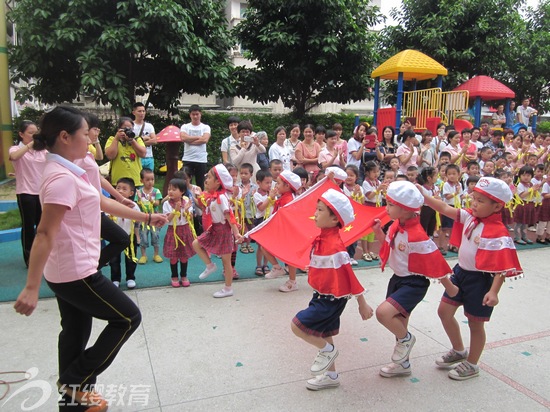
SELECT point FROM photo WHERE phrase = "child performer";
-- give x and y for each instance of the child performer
(353, 190)
(413, 257)
(178, 241)
(248, 188)
(372, 188)
(288, 184)
(543, 214)
(451, 193)
(525, 214)
(148, 197)
(264, 200)
(334, 283)
(220, 237)
(486, 256)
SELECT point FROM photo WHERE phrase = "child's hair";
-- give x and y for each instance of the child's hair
(275, 162)
(401, 177)
(539, 167)
(531, 155)
(526, 170)
(412, 168)
(300, 171)
(472, 179)
(261, 175)
(471, 163)
(144, 171)
(248, 167)
(499, 173)
(370, 166)
(452, 167)
(354, 169)
(244, 125)
(425, 173)
(445, 154)
(230, 167)
(128, 181)
(497, 133)
(183, 173)
(178, 184)
(484, 149)
(319, 176)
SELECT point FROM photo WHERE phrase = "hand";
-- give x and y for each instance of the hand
(377, 225)
(26, 301)
(365, 311)
(235, 191)
(158, 220)
(127, 202)
(490, 299)
(238, 238)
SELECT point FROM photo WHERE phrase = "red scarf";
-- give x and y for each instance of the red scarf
(424, 256)
(330, 272)
(496, 252)
(285, 199)
(207, 217)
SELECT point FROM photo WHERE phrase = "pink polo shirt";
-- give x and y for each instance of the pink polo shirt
(91, 168)
(28, 170)
(76, 249)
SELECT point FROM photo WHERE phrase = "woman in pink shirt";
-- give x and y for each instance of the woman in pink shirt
(67, 250)
(28, 164)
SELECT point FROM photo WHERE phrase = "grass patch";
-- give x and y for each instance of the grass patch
(10, 220)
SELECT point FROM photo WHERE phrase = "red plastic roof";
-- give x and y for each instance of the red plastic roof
(487, 88)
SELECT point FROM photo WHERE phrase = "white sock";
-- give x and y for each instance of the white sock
(328, 348)
(461, 352)
(406, 364)
(332, 374)
(210, 265)
(406, 338)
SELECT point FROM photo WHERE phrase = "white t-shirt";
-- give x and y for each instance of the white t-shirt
(281, 153)
(399, 255)
(217, 210)
(227, 144)
(524, 114)
(193, 152)
(126, 224)
(148, 129)
(181, 220)
(353, 146)
(369, 187)
(259, 198)
(451, 189)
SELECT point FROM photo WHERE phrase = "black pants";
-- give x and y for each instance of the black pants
(79, 302)
(116, 236)
(129, 263)
(198, 170)
(428, 220)
(31, 212)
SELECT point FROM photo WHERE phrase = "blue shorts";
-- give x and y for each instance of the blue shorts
(446, 222)
(322, 317)
(404, 293)
(472, 287)
(144, 236)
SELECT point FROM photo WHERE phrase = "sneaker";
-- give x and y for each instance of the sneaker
(450, 358)
(322, 382)
(394, 369)
(208, 271)
(223, 293)
(157, 259)
(275, 273)
(464, 370)
(142, 260)
(116, 283)
(532, 229)
(131, 284)
(323, 361)
(403, 349)
(289, 286)
(353, 262)
(185, 283)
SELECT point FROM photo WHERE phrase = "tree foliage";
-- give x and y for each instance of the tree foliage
(468, 37)
(114, 50)
(307, 52)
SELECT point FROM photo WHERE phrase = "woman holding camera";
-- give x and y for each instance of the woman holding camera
(124, 150)
(248, 148)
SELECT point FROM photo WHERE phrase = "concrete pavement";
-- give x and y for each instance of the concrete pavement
(196, 353)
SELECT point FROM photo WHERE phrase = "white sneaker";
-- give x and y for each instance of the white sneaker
(322, 382)
(223, 293)
(353, 262)
(275, 273)
(403, 349)
(394, 369)
(289, 286)
(322, 361)
(532, 229)
(131, 284)
(464, 370)
(450, 358)
(208, 271)
(117, 284)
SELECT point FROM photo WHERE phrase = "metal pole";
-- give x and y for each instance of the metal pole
(6, 132)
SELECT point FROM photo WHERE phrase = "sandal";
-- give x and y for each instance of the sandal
(520, 241)
(250, 249)
(374, 256)
(244, 249)
(528, 241)
(453, 249)
(265, 269)
(541, 241)
(367, 257)
(259, 271)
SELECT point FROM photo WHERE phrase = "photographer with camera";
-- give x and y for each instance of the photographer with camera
(248, 148)
(124, 150)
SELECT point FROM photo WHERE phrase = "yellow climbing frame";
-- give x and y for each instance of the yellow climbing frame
(423, 104)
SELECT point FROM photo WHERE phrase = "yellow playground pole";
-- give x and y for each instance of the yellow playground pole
(6, 132)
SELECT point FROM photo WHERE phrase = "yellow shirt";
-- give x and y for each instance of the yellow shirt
(127, 163)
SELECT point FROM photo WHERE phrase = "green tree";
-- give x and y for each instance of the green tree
(114, 50)
(307, 52)
(468, 37)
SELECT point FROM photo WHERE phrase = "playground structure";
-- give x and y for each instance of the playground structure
(423, 108)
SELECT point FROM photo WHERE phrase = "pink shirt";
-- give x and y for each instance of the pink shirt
(28, 170)
(92, 170)
(404, 150)
(76, 249)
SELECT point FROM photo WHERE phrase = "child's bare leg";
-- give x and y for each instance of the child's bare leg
(365, 246)
(446, 313)
(202, 253)
(270, 258)
(316, 341)
(477, 340)
(227, 270)
(449, 286)
(392, 320)
(332, 367)
(143, 251)
(259, 256)
(292, 273)
(155, 250)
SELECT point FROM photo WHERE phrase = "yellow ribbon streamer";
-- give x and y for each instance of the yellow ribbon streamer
(177, 214)
(269, 207)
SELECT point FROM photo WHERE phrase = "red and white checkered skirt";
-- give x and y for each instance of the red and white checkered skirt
(169, 249)
(218, 239)
(543, 211)
(525, 214)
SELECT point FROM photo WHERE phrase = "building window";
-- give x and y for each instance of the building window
(242, 10)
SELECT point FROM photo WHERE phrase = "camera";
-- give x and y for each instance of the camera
(129, 132)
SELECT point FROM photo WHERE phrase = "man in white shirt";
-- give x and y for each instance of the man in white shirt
(195, 136)
(146, 131)
(525, 112)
